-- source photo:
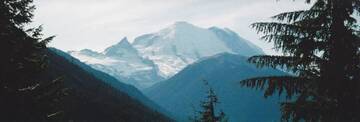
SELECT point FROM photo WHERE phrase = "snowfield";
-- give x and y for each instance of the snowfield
(158, 56)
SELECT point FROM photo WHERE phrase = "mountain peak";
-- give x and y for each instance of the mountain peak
(120, 48)
(124, 42)
(182, 25)
(164, 53)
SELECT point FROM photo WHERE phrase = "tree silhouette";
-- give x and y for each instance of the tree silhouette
(208, 114)
(321, 49)
(23, 58)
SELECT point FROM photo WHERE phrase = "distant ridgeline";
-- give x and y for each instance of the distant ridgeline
(170, 65)
(155, 57)
(96, 96)
(183, 93)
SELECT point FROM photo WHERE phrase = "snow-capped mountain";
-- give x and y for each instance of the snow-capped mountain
(181, 44)
(123, 62)
(158, 56)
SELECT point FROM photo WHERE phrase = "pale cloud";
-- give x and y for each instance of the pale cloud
(96, 24)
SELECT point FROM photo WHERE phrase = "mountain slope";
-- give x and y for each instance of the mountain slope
(181, 44)
(96, 96)
(158, 56)
(236, 43)
(223, 72)
(123, 62)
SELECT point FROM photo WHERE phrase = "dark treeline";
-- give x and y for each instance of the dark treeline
(88, 98)
(22, 59)
(321, 49)
(37, 84)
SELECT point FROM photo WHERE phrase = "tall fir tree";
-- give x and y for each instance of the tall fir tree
(209, 114)
(23, 57)
(321, 49)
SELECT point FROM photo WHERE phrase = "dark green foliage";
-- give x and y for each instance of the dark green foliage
(22, 59)
(208, 114)
(321, 49)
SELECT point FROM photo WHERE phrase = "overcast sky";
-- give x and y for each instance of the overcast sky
(97, 24)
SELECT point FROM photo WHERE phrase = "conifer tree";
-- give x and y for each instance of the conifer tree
(321, 49)
(208, 114)
(23, 57)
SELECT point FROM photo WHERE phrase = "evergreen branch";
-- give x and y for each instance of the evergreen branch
(319, 5)
(311, 25)
(277, 28)
(47, 40)
(296, 15)
(284, 42)
(287, 62)
(289, 84)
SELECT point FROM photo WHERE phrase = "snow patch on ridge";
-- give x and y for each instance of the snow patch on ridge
(179, 45)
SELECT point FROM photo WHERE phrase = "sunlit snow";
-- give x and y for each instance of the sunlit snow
(157, 56)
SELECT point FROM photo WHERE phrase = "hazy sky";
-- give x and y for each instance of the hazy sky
(97, 24)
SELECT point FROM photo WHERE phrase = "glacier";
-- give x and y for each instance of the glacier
(154, 57)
